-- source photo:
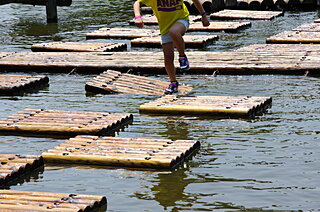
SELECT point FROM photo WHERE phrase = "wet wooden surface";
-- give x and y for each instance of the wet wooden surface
(117, 82)
(17, 84)
(233, 106)
(11, 200)
(230, 26)
(191, 41)
(128, 33)
(17, 166)
(59, 122)
(120, 151)
(149, 19)
(246, 14)
(78, 47)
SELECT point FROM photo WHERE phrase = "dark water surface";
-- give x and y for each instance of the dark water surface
(270, 163)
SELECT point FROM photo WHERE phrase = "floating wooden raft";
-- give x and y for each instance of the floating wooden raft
(128, 152)
(191, 41)
(246, 14)
(152, 20)
(15, 166)
(78, 47)
(128, 33)
(241, 106)
(219, 26)
(290, 48)
(116, 82)
(59, 122)
(11, 200)
(202, 62)
(13, 84)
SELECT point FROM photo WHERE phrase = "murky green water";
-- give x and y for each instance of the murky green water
(269, 163)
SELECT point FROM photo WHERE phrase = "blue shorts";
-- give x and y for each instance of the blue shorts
(166, 37)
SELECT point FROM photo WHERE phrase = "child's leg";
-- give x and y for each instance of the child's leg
(176, 32)
(168, 53)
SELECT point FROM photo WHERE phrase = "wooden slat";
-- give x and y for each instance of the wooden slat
(219, 26)
(295, 37)
(242, 106)
(16, 166)
(246, 14)
(128, 33)
(152, 62)
(11, 200)
(191, 41)
(63, 123)
(152, 20)
(116, 82)
(78, 47)
(118, 151)
(15, 84)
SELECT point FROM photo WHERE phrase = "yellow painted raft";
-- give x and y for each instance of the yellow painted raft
(240, 106)
(11, 200)
(116, 82)
(125, 152)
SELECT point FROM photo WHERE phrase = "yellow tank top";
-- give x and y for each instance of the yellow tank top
(167, 12)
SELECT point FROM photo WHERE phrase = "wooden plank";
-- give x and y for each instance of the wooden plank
(116, 82)
(295, 37)
(119, 151)
(17, 84)
(191, 41)
(239, 106)
(78, 47)
(280, 48)
(128, 33)
(317, 21)
(142, 62)
(63, 123)
(219, 26)
(308, 27)
(12, 200)
(246, 14)
(16, 166)
(152, 19)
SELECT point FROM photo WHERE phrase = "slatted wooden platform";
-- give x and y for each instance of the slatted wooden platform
(16, 166)
(152, 20)
(204, 62)
(11, 200)
(219, 26)
(246, 14)
(233, 106)
(284, 48)
(119, 151)
(128, 33)
(16, 84)
(117, 82)
(191, 41)
(78, 47)
(63, 123)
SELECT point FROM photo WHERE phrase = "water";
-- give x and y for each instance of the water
(270, 163)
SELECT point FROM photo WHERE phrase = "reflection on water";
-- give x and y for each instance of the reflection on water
(269, 163)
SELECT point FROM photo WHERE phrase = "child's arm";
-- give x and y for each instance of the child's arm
(137, 15)
(204, 18)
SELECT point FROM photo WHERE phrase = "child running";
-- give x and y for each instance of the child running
(173, 21)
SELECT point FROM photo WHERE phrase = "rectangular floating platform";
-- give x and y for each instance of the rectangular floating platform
(125, 152)
(11, 200)
(246, 14)
(78, 47)
(152, 20)
(191, 41)
(202, 62)
(17, 84)
(284, 48)
(231, 106)
(127, 33)
(219, 26)
(16, 166)
(117, 82)
(63, 123)
(295, 37)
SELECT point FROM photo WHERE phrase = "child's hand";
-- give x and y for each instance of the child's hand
(138, 22)
(205, 21)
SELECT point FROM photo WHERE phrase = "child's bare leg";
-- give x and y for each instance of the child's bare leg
(168, 52)
(176, 32)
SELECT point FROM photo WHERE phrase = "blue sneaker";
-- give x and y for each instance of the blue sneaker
(184, 63)
(172, 88)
